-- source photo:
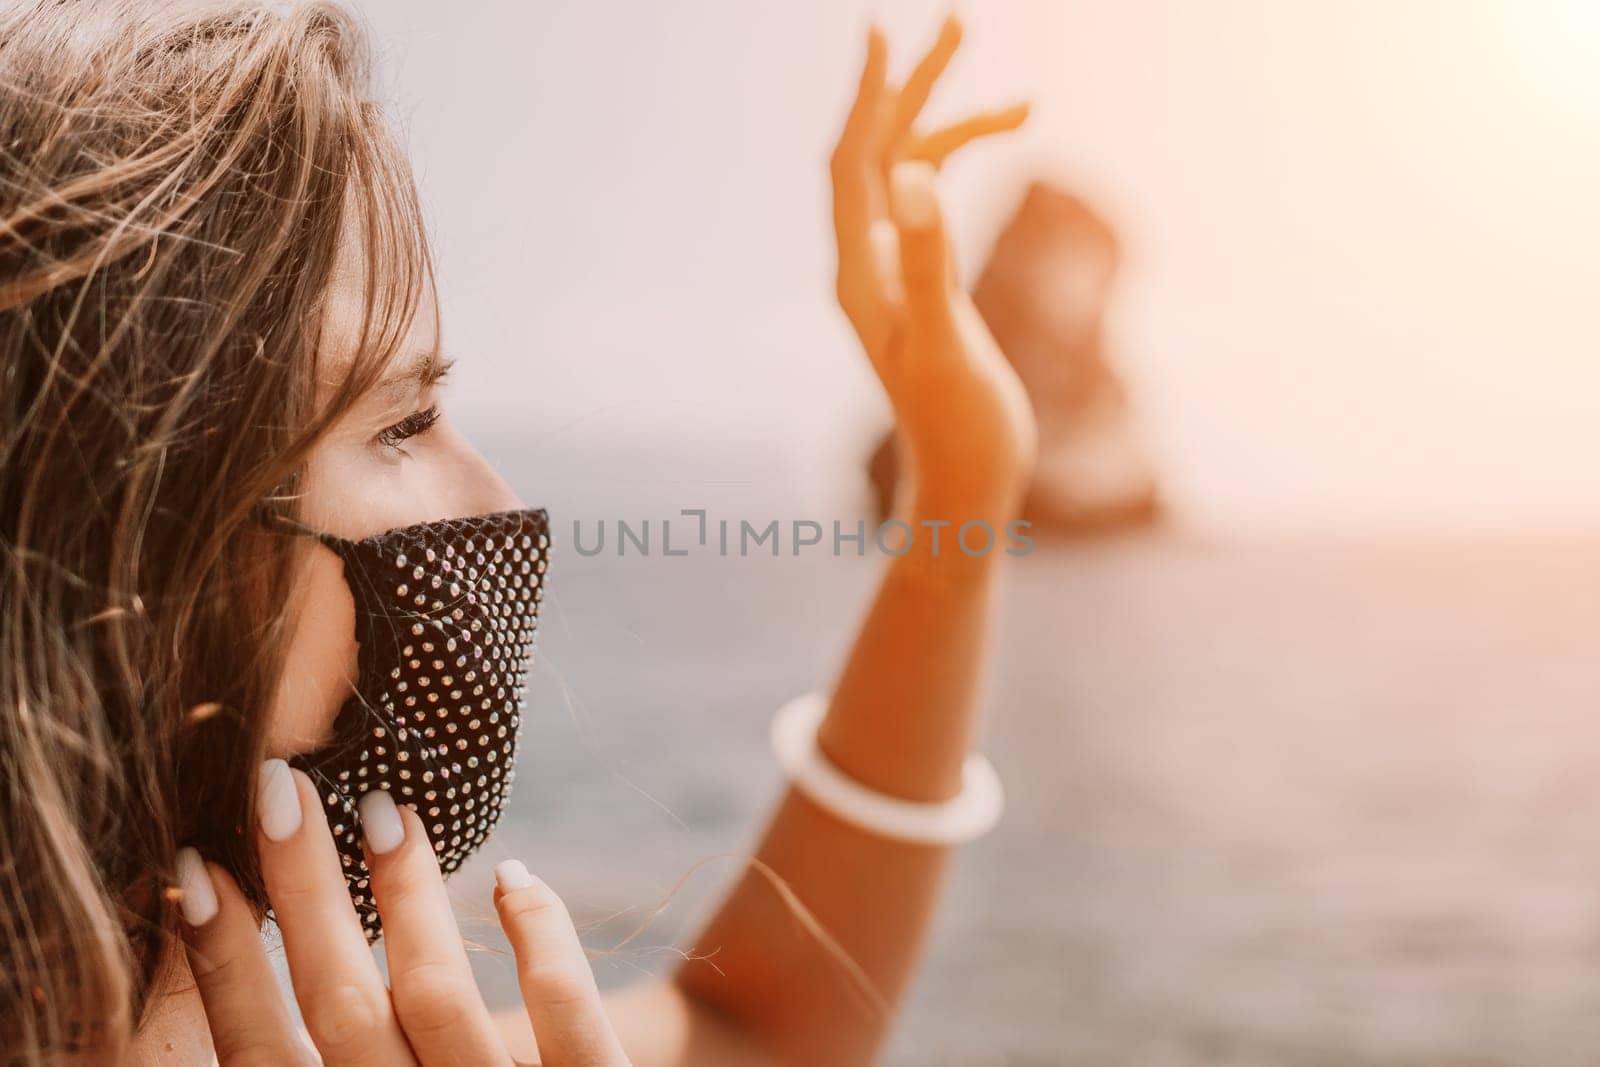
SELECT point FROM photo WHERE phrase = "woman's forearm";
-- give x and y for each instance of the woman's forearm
(900, 721)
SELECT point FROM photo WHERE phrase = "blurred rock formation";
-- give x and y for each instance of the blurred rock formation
(1044, 293)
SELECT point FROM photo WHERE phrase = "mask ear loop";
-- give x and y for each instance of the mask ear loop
(277, 520)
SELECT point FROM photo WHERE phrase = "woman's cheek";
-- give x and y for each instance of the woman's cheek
(320, 661)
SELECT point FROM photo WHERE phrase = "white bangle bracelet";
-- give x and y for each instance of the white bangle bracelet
(969, 814)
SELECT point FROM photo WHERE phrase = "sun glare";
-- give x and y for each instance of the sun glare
(1558, 42)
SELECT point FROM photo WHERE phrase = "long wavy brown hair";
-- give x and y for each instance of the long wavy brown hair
(173, 182)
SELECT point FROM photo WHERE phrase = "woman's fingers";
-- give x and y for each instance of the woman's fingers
(336, 981)
(430, 980)
(914, 93)
(859, 137)
(925, 262)
(937, 146)
(250, 1024)
(558, 986)
(853, 168)
(878, 136)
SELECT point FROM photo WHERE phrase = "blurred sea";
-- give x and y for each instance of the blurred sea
(1271, 803)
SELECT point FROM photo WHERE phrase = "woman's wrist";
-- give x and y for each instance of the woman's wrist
(960, 529)
(932, 494)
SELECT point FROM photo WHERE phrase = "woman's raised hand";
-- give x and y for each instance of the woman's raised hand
(430, 1012)
(962, 416)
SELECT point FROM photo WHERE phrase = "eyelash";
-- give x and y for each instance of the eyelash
(413, 425)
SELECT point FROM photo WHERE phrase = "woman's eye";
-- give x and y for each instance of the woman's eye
(413, 425)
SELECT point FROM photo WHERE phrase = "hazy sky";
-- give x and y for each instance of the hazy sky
(1363, 236)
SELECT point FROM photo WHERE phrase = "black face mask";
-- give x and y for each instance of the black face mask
(446, 615)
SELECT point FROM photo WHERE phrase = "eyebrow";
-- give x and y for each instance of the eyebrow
(420, 369)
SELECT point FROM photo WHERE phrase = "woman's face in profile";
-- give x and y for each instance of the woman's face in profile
(393, 459)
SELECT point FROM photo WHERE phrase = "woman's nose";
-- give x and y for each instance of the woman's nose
(477, 488)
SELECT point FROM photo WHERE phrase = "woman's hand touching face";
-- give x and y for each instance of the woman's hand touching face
(964, 421)
(430, 1011)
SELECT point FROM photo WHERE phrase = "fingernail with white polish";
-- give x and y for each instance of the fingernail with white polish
(277, 801)
(197, 897)
(512, 874)
(381, 824)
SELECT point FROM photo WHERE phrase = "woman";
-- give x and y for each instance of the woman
(245, 555)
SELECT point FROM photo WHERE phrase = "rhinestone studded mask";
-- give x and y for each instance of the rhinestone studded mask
(446, 616)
